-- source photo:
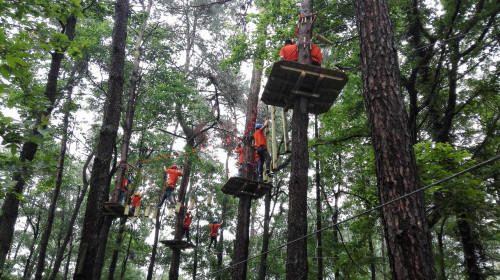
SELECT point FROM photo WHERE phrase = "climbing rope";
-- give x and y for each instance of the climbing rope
(360, 214)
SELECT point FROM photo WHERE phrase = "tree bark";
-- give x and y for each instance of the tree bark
(319, 250)
(265, 237)
(44, 241)
(155, 242)
(471, 248)
(10, 207)
(36, 232)
(242, 228)
(296, 260)
(107, 137)
(69, 232)
(407, 232)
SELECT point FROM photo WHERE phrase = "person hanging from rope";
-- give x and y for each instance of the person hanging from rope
(239, 150)
(173, 174)
(123, 189)
(136, 201)
(186, 225)
(261, 145)
(214, 227)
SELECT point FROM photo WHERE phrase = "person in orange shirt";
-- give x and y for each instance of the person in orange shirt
(261, 145)
(123, 189)
(173, 175)
(239, 150)
(214, 227)
(136, 201)
(316, 55)
(289, 51)
(186, 225)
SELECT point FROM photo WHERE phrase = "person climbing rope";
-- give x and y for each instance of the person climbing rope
(123, 189)
(173, 174)
(261, 145)
(186, 225)
(136, 201)
(239, 150)
(214, 227)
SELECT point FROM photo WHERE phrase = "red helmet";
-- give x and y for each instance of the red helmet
(173, 166)
(188, 213)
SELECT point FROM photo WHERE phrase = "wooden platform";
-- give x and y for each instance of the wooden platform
(238, 186)
(114, 209)
(181, 244)
(289, 79)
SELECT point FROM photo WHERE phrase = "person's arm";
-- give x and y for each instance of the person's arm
(164, 168)
(221, 221)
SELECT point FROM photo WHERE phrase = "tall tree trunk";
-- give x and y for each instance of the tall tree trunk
(116, 251)
(407, 232)
(372, 263)
(107, 138)
(296, 257)
(28, 266)
(471, 248)
(155, 242)
(127, 134)
(179, 217)
(265, 237)
(197, 241)
(68, 261)
(319, 250)
(442, 269)
(44, 241)
(10, 207)
(242, 228)
(69, 231)
(336, 254)
(124, 264)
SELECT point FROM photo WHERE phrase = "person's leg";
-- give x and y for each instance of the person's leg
(165, 195)
(121, 196)
(169, 196)
(215, 243)
(267, 157)
(240, 170)
(260, 152)
(211, 241)
(187, 235)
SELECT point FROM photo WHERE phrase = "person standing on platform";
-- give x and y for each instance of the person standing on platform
(214, 227)
(316, 55)
(123, 189)
(239, 150)
(186, 225)
(173, 175)
(136, 201)
(289, 51)
(261, 145)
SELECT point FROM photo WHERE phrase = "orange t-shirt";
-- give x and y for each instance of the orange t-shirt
(187, 221)
(136, 200)
(240, 151)
(260, 138)
(289, 52)
(172, 177)
(316, 53)
(213, 229)
(124, 184)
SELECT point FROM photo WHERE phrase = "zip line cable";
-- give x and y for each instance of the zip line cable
(361, 214)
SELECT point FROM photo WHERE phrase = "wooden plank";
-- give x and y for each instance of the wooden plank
(180, 244)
